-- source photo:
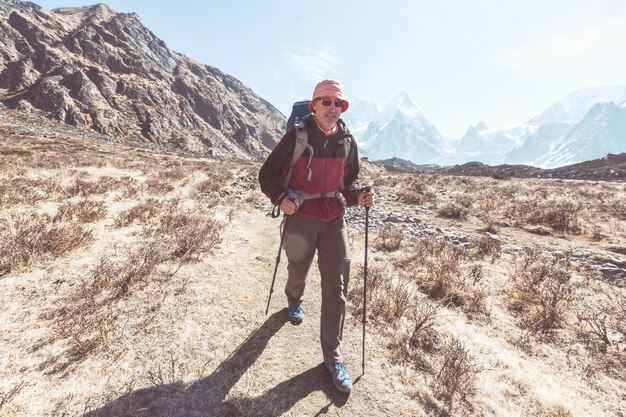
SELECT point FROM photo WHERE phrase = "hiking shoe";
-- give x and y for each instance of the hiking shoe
(340, 377)
(296, 315)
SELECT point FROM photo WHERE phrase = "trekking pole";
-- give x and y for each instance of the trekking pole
(367, 218)
(280, 248)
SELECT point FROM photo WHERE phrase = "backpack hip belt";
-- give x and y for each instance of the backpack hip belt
(299, 197)
(305, 196)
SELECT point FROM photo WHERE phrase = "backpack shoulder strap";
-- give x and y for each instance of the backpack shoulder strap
(346, 146)
(302, 143)
(347, 142)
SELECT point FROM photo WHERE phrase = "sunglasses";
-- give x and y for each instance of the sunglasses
(327, 102)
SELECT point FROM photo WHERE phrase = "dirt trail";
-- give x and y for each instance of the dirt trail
(204, 345)
(277, 367)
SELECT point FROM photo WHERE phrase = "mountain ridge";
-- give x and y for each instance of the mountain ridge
(611, 167)
(90, 66)
(551, 139)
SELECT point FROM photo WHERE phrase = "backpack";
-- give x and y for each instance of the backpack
(299, 111)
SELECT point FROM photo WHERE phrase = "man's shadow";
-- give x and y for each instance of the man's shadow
(206, 397)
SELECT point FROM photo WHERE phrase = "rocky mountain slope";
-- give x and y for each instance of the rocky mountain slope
(93, 67)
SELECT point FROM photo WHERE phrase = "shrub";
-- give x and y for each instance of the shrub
(541, 291)
(85, 211)
(174, 172)
(140, 213)
(457, 376)
(28, 238)
(81, 188)
(487, 245)
(88, 318)
(561, 216)
(416, 198)
(491, 225)
(438, 269)
(5, 397)
(419, 336)
(594, 322)
(393, 301)
(617, 209)
(602, 319)
(389, 238)
(26, 191)
(156, 185)
(189, 233)
(388, 297)
(453, 211)
(216, 181)
(466, 200)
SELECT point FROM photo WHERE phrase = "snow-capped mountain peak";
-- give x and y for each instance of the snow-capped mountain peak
(572, 108)
(404, 104)
(401, 129)
(585, 124)
(481, 126)
(362, 110)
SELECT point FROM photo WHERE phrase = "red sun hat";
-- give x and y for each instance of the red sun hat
(329, 88)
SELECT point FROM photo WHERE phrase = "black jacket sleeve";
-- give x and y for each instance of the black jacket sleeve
(275, 165)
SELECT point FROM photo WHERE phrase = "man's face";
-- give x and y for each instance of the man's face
(327, 111)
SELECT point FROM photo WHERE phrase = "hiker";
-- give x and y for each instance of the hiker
(311, 201)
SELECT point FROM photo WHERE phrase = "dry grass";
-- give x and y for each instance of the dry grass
(419, 338)
(5, 397)
(389, 238)
(453, 211)
(89, 315)
(190, 233)
(29, 238)
(541, 291)
(26, 191)
(144, 212)
(85, 211)
(444, 272)
(457, 376)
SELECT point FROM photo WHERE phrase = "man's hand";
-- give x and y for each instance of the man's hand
(365, 199)
(287, 206)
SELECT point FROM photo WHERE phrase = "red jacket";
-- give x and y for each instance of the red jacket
(328, 168)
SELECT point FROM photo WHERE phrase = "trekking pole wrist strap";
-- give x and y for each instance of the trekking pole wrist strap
(276, 208)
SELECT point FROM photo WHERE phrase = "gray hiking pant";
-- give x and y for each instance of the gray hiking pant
(303, 236)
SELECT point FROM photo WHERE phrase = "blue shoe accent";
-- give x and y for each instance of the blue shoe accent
(296, 314)
(340, 377)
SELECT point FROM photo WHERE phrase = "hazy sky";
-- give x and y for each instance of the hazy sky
(496, 61)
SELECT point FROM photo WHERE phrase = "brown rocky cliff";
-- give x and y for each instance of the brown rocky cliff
(91, 66)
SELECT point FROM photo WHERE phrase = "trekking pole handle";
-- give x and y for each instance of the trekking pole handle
(290, 195)
(367, 189)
